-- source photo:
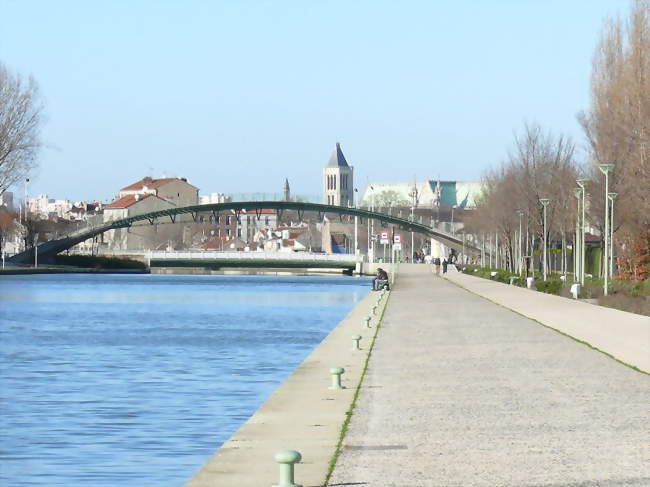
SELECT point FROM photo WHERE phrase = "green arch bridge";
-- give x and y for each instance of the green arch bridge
(52, 247)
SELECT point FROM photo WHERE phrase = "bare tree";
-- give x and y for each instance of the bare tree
(21, 113)
(7, 224)
(617, 127)
(540, 165)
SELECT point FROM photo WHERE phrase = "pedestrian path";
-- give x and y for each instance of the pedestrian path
(625, 336)
(463, 392)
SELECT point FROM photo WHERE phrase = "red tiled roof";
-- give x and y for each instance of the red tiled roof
(126, 201)
(149, 182)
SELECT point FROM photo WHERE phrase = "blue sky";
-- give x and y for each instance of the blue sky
(238, 95)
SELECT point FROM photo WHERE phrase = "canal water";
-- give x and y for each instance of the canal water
(135, 380)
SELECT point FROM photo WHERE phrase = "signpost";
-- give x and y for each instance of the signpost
(383, 240)
(397, 242)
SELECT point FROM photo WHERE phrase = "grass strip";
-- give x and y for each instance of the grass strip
(348, 414)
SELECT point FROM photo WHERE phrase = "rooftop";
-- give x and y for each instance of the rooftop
(128, 200)
(150, 183)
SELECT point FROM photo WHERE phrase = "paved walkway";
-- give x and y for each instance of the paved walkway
(625, 336)
(463, 392)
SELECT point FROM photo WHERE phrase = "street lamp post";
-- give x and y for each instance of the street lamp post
(582, 183)
(611, 197)
(606, 169)
(544, 202)
(577, 244)
(520, 262)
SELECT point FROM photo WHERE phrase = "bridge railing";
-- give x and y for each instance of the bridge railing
(215, 255)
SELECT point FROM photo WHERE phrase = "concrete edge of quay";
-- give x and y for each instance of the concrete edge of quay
(621, 335)
(302, 414)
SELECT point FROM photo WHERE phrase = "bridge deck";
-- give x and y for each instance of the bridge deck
(461, 391)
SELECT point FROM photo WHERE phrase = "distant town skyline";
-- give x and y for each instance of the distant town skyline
(238, 96)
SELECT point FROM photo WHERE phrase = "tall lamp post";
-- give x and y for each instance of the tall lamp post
(583, 185)
(606, 169)
(577, 245)
(611, 197)
(544, 202)
(520, 257)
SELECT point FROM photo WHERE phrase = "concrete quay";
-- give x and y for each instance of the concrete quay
(461, 391)
(303, 414)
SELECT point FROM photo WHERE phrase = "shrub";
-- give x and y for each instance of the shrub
(549, 287)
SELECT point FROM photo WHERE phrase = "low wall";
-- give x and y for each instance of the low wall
(303, 414)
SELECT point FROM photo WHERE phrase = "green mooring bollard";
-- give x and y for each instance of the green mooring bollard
(336, 373)
(368, 321)
(355, 340)
(287, 459)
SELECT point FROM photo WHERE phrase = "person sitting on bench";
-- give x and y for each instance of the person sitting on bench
(381, 280)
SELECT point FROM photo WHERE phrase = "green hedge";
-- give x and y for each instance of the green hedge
(98, 262)
(553, 285)
(549, 287)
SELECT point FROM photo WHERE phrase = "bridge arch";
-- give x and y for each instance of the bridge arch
(53, 247)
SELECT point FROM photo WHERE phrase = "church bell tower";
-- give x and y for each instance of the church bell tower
(338, 180)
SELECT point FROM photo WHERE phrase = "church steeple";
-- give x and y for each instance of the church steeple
(338, 182)
(287, 190)
(337, 159)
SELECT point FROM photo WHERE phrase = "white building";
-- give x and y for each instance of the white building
(428, 194)
(214, 198)
(45, 207)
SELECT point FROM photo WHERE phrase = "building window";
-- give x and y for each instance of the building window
(266, 220)
(227, 232)
(216, 220)
(228, 220)
(201, 219)
(239, 232)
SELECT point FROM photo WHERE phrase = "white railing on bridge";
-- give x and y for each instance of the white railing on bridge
(219, 255)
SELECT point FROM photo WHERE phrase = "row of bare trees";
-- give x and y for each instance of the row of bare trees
(540, 165)
(543, 165)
